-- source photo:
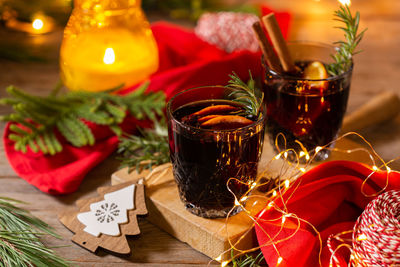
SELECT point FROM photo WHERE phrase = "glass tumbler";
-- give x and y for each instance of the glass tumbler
(205, 159)
(307, 112)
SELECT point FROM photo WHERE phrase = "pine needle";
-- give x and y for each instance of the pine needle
(346, 49)
(247, 260)
(36, 118)
(20, 243)
(146, 150)
(247, 95)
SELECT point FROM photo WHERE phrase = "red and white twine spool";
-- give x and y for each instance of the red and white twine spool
(376, 236)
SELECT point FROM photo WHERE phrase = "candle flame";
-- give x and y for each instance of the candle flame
(37, 24)
(109, 56)
(345, 2)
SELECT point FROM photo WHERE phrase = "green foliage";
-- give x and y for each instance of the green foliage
(248, 260)
(35, 118)
(19, 238)
(347, 48)
(146, 150)
(246, 94)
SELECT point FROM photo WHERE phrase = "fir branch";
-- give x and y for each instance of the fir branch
(146, 150)
(35, 118)
(20, 234)
(248, 260)
(346, 49)
(246, 94)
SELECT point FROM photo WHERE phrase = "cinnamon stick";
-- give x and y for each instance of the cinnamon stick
(267, 50)
(274, 32)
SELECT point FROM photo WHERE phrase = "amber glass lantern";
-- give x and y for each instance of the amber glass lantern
(107, 43)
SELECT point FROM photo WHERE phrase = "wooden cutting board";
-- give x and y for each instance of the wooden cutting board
(213, 237)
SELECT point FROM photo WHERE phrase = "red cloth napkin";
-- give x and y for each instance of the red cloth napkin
(185, 62)
(330, 198)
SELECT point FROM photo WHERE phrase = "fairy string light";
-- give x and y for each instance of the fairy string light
(280, 190)
(287, 179)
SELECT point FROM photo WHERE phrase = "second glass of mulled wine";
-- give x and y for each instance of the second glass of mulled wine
(214, 149)
(305, 108)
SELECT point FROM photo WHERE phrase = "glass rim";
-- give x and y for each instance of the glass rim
(170, 113)
(293, 78)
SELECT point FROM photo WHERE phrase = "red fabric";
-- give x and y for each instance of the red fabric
(185, 62)
(330, 198)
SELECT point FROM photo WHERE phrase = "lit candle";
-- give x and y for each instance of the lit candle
(106, 58)
(40, 24)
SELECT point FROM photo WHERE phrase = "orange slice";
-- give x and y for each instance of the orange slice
(217, 109)
(225, 122)
(316, 71)
(206, 118)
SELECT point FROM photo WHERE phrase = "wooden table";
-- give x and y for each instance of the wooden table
(376, 69)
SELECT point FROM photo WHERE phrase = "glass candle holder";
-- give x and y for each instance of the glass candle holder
(306, 111)
(204, 159)
(106, 44)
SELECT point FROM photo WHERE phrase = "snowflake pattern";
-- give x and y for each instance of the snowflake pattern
(107, 212)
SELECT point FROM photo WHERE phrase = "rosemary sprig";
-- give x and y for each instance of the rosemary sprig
(347, 48)
(35, 118)
(146, 150)
(246, 94)
(20, 244)
(151, 147)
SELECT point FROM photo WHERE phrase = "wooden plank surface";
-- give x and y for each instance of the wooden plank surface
(376, 69)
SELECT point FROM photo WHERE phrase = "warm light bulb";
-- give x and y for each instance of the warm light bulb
(225, 263)
(361, 237)
(37, 24)
(345, 2)
(287, 183)
(254, 184)
(109, 56)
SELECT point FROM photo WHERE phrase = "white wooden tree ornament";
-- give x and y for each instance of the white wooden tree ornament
(106, 220)
(105, 216)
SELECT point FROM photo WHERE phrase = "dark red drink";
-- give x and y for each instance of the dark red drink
(210, 142)
(309, 111)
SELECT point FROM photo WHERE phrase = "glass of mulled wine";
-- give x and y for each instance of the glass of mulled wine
(212, 141)
(305, 108)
